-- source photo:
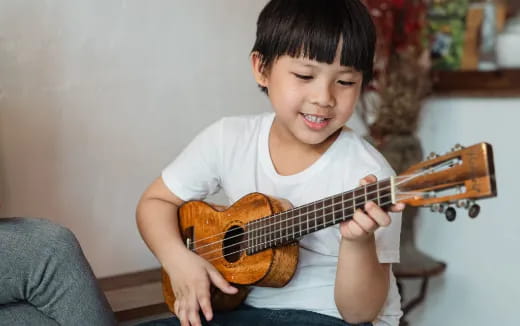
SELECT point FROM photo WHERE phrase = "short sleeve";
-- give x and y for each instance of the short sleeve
(195, 172)
(388, 238)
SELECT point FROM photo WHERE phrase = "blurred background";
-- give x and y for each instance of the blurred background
(96, 97)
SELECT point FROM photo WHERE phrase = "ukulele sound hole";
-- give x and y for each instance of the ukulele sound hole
(232, 247)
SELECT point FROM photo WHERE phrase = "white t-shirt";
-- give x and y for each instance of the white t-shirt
(232, 154)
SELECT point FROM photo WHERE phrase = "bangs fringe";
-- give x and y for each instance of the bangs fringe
(314, 29)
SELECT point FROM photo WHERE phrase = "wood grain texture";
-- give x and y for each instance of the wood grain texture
(285, 259)
(499, 83)
(476, 173)
(271, 267)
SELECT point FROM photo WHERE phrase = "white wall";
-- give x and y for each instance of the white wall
(97, 96)
(480, 285)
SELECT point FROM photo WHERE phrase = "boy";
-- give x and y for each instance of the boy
(312, 59)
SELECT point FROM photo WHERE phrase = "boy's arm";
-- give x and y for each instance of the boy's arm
(157, 221)
(190, 275)
(362, 282)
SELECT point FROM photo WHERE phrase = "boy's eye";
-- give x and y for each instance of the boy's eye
(304, 77)
(346, 83)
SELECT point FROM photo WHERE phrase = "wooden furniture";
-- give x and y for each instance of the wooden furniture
(134, 295)
(414, 265)
(499, 83)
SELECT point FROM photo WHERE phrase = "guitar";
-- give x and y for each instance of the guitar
(254, 241)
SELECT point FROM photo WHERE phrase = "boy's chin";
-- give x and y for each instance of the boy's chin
(316, 139)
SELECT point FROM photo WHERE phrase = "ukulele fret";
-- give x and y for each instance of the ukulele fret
(337, 209)
(270, 242)
(323, 214)
(295, 228)
(253, 224)
(276, 229)
(333, 209)
(378, 195)
(307, 219)
(328, 209)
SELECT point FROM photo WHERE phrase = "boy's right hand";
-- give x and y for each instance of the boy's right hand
(191, 277)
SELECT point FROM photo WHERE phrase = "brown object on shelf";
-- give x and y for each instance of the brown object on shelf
(471, 51)
(501, 9)
(504, 82)
(472, 34)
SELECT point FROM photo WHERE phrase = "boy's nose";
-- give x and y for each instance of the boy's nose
(323, 97)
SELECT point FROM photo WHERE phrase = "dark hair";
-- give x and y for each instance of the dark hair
(313, 29)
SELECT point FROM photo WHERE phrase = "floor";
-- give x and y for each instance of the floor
(136, 297)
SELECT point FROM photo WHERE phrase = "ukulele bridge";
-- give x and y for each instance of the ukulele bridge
(188, 236)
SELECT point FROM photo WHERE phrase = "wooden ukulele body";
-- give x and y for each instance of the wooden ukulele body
(208, 228)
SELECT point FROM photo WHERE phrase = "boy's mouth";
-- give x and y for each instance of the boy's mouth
(313, 118)
(314, 121)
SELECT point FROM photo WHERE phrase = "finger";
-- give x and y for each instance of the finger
(365, 222)
(352, 229)
(399, 207)
(377, 214)
(176, 307)
(182, 314)
(217, 279)
(368, 179)
(205, 305)
(193, 311)
(356, 229)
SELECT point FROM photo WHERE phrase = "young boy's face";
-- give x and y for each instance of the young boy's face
(311, 99)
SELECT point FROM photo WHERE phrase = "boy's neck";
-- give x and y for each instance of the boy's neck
(289, 155)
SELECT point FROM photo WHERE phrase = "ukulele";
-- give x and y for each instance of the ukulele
(255, 241)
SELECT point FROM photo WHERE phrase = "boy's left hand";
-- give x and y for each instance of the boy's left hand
(364, 223)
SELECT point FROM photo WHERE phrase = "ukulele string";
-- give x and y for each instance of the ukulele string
(244, 249)
(268, 218)
(399, 181)
(272, 240)
(275, 224)
(280, 213)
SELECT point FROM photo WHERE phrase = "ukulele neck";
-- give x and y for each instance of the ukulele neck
(288, 226)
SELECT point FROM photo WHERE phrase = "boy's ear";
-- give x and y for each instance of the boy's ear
(258, 69)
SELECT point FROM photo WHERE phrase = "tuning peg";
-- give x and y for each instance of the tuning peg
(432, 155)
(457, 147)
(462, 203)
(451, 214)
(474, 210)
(437, 208)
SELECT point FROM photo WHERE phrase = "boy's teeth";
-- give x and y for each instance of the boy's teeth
(313, 118)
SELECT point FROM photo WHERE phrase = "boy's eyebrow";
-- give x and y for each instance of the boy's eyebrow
(347, 70)
(342, 70)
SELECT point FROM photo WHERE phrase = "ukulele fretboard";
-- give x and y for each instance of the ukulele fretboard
(286, 227)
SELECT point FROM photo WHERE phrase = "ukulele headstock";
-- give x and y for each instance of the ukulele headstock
(458, 178)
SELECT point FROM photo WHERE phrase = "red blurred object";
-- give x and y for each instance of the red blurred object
(399, 25)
